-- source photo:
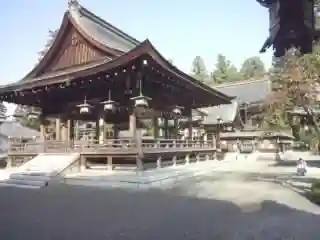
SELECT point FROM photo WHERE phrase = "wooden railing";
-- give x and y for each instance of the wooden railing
(109, 145)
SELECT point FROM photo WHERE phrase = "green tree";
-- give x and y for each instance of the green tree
(295, 82)
(199, 70)
(224, 71)
(252, 67)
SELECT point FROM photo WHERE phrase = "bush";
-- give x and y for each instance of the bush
(314, 194)
(315, 185)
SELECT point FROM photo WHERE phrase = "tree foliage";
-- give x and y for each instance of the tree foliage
(224, 71)
(295, 84)
(199, 70)
(252, 68)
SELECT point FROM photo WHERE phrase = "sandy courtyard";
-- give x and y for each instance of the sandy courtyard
(218, 206)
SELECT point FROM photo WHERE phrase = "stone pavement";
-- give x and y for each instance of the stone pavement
(233, 202)
(143, 180)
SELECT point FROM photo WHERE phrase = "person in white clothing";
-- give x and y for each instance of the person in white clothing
(301, 167)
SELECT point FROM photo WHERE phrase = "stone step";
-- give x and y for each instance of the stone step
(29, 177)
(35, 183)
(6, 184)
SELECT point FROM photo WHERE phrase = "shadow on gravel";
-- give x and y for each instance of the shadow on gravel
(66, 212)
(293, 163)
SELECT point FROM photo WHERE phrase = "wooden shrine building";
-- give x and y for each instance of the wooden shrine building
(96, 72)
(241, 121)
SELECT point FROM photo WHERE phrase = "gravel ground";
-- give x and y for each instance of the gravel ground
(220, 206)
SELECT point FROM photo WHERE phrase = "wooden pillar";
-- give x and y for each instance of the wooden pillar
(133, 125)
(155, 127)
(82, 163)
(58, 130)
(101, 130)
(198, 158)
(71, 129)
(110, 164)
(97, 132)
(139, 163)
(42, 129)
(76, 130)
(187, 159)
(189, 116)
(64, 130)
(176, 128)
(115, 130)
(159, 162)
(174, 160)
(9, 162)
(165, 128)
(205, 138)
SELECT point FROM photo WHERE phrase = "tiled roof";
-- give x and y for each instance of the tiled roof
(227, 113)
(245, 92)
(256, 134)
(100, 30)
(13, 129)
(249, 92)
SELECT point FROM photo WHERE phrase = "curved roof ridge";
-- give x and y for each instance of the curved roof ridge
(100, 30)
(111, 27)
(143, 49)
(251, 81)
(235, 105)
(159, 58)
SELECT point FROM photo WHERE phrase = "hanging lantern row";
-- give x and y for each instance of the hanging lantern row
(109, 105)
(33, 113)
(141, 102)
(177, 110)
(74, 83)
(85, 107)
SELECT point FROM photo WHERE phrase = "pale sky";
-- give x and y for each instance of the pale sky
(180, 30)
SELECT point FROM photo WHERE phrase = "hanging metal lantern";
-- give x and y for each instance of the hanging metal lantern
(33, 113)
(109, 105)
(141, 102)
(177, 110)
(85, 108)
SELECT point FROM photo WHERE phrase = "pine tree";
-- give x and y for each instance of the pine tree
(224, 71)
(199, 70)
